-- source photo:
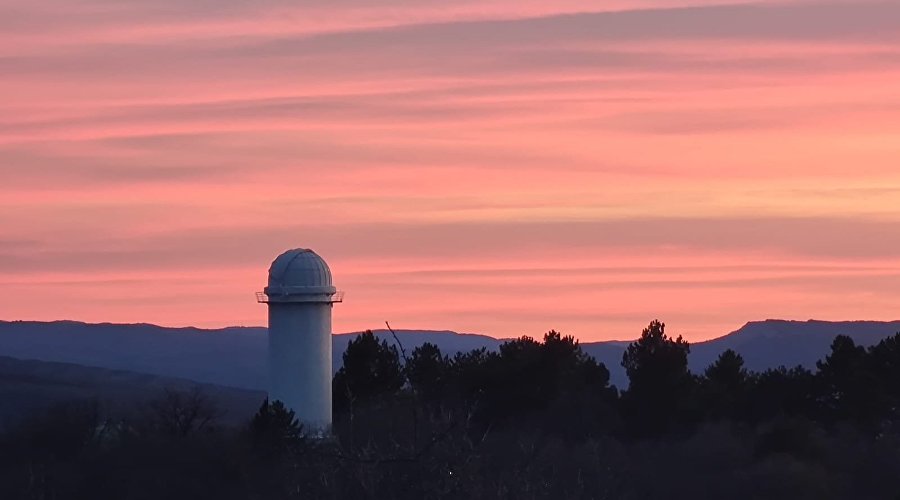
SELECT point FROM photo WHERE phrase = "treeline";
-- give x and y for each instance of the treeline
(536, 385)
(536, 419)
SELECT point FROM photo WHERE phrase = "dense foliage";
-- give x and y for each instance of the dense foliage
(536, 419)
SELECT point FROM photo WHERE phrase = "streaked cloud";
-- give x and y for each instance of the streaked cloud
(491, 166)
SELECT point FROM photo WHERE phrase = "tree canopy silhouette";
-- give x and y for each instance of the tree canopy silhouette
(275, 429)
(659, 391)
(724, 386)
(370, 369)
(428, 372)
(848, 385)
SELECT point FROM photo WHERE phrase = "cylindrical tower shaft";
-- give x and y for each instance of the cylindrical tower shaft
(300, 360)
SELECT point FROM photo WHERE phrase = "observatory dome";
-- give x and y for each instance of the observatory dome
(299, 272)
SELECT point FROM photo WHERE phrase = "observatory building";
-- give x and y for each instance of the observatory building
(300, 296)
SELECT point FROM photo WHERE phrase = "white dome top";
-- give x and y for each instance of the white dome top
(299, 272)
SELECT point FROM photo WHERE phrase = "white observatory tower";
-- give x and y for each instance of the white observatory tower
(300, 296)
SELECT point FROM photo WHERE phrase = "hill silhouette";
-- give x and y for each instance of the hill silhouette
(28, 386)
(235, 356)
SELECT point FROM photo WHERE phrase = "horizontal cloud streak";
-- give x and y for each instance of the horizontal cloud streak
(841, 239)
(708, 163)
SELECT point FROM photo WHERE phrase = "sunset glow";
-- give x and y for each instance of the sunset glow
(501, 167)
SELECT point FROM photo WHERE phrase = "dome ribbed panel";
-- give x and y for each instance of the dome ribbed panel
(299, 268)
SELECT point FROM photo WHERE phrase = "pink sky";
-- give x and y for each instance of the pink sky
(501, 167)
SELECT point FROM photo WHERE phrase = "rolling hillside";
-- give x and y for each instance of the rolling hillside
(27, 386)
(236, 356)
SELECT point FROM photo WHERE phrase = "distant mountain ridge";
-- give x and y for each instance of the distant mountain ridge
(232, 356)
(27, 386)
(235, 356)
(772, 343)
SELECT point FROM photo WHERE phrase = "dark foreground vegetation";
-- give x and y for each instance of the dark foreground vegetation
(538, 419)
